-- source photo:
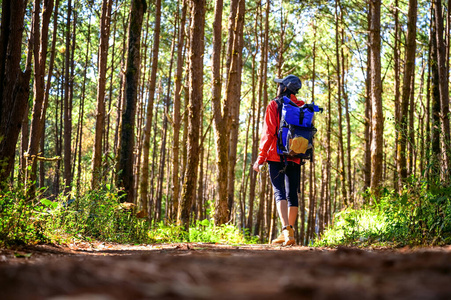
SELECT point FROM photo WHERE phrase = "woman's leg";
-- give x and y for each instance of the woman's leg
(277, 176)
(282, 209)
(292, 178)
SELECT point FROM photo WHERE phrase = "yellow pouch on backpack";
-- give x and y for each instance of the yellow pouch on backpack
(298, 145)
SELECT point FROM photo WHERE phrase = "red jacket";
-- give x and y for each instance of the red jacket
(268, 141)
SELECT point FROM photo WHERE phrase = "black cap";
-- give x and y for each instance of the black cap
(291, 82)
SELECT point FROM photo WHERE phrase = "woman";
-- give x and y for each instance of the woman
(284, 176)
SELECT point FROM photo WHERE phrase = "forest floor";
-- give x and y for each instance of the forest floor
(100, 271)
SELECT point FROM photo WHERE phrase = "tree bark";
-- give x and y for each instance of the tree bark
(435, 100)
(14, 84)
(234, 93)
(144, 182)
(377, 122)
(39, 104)
(367, 132)
(194, 110)
(176, 111)
(444, 91)
(125, 167)
(339, 105)
(220, 117)
(397, 93)
(105, 21)
(66, 109)
(163, 140)
(348, 119)
(409, 69)
(328, 149)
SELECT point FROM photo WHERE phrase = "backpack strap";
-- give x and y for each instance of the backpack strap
(301, 116)
(279, 102)
(283, 159)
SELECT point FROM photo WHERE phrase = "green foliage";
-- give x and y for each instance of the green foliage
(202, 231)
(420, 215)
(22, 221)
(96, 215)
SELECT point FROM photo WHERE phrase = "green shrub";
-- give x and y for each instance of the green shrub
(201, 231)
(96, 215)
(420, 215)
(22, 221)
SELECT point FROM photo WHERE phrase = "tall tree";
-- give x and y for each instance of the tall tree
(338, 10)
(409, 69)
(194, 109)
(220, 117)
(14, 83)
(144, 182)
(40, 100)
(164, 133)
(67, 105)
(176, 110)
(396, 59)
(125, 167)
(233, 92)
(105, 21)
(435, 96)
(377, 120)
(443, 88)
(367, 130)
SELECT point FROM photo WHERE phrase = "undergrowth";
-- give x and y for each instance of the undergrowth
(420, 215)
(96, 215)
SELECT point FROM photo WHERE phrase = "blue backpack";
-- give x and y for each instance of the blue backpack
(296, 130)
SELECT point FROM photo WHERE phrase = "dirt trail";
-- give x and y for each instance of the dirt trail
(205, 271)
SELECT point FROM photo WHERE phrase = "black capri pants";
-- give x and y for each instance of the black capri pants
(285, 181)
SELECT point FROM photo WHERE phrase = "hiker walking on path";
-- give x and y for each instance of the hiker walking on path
(284, 173)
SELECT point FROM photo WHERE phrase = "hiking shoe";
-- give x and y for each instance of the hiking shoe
(279, 240)
(288, 234)
(286, 237)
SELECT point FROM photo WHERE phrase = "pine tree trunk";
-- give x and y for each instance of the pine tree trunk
(243, 186)
(427, 138)
(348, 120)
(411, 145)
(328, 149)
(233, 92)
(58, 135)
(376, 98)
(25, 135)
(105, 21)
(199, 198)
(125, 167)
(194, 110)
(144, 182)
(397, 88)
(163, 141)
(121, 102)
(82, 110)
(39, 106)
(14, 84)
(67, 104)
(435, 100)
(409, 69)
(444, 91)
(339, 105)
(367, 132)
(255, 126)
(220, 117)
(176, 112)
